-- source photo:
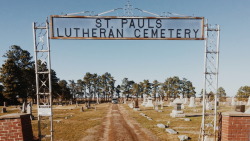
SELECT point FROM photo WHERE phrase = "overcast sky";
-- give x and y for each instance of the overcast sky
(137, 60)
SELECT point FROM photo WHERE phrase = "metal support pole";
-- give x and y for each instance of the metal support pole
(36, 73)
(43, 79)
(50, 85)
(217, 80)
(204, 86)
(210, 90)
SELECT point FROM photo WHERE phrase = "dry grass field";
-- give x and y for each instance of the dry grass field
(72, 125)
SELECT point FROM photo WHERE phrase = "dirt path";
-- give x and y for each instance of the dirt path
(118, 126)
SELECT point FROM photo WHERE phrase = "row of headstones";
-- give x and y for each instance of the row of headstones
(234, 102)
(24, 109)
(147, 102)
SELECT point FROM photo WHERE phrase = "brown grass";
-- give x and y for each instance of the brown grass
(189, 128)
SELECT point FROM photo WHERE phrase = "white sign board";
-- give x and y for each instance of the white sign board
(127, 28)
(44, 110)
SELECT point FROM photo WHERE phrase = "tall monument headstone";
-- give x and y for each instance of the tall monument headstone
(248, 102)
(192, 102)
(233, 103)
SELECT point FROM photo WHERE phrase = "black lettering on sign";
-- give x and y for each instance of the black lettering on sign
(149, 26)
(119, 33)
(132, 23)
(145, 33)
(68, 35)
(124, 21)
(141, 24)
(102, 32)
(178, 33)
(163, 33)
(98, 23)
(137, 35)
(154, 33)
(158, 23)
(187, 32)
(171, 30)
(83, 33)
(76, 29)
(58, 35)
(94, 32)
(111, 34)
(195, 32)
(107, 22)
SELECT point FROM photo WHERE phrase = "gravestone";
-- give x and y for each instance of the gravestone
(185, 101)
(24, 107)
(240, 108)
(248, 102)
(171, 103)
(209, 106)
(144, 100)
(192, 102)
(29, 109)
(149, 103)
(160, 125)
(247, 111)
(3, 110)
(177, 107)
(156, 107)
(182, 106)
(162, 104)
(233, 103)
(177, 112)
(131, 105)
(4, 104)
(171, 131)
(183, 137)
(181, 97)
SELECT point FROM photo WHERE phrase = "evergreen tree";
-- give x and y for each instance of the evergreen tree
(147, 87)
(186, 88)
(64, 90)
(16, 74)
(155, 87)
(1, 95)
(221, 94)
(243, 93)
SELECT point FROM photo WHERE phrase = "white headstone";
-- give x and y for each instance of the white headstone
(171, 131)
(29, 109)
(247, 111)
(162, 104)
(156, 106)
(182, 106)
(192, 102)
(183, 137)
(149, 103)
(209, 106)
(233, 102)
(24, 107)
(160, 125)
(181, 97)
(248, 102)
(185, 100)
(3, 110)
(177, 100)
(144, 100)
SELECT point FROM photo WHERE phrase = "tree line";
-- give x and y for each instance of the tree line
(17, 81)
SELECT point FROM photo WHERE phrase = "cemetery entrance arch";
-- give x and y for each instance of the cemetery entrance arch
(123, 28)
